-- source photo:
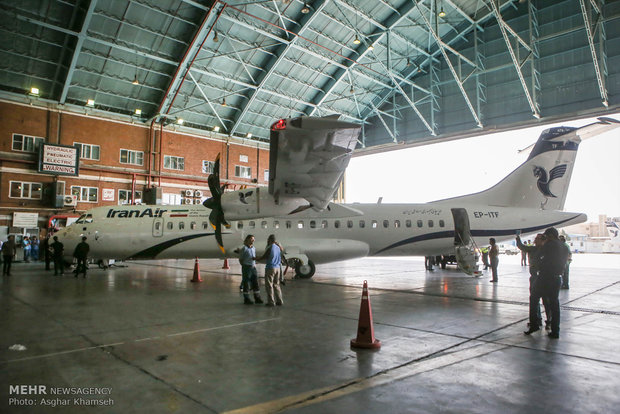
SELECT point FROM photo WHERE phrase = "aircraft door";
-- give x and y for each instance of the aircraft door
(464, 247)
(158, 227)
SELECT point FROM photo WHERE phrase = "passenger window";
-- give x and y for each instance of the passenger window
(397, 224)
(193, 225)
(170, 225)
(157, 225)
(288, 225)
(430, 223)
(350, 224)
(386, 223)
(374, 224)
(442, 223)
(324, 224)
(420, 223)
(181, 225)
(337, 224)
(276, 224)
(362, 224)
(205, 225)
(263, 224)
(300, 224)
(312, 224)
(251, 224)
(407, 223)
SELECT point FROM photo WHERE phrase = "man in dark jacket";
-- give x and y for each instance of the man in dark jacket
(8, 253)
(57, 255)
(553, 256)
(81, 254)
(533, 253)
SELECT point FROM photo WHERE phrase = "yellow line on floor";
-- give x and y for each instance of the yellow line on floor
(360, 384)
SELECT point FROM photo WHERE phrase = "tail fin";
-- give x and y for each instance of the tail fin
(542, 181)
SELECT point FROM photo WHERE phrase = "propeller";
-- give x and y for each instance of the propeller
(216, 217)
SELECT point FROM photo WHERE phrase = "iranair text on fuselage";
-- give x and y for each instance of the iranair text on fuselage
(128, 213)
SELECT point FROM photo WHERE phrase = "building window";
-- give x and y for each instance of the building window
(208, 167)
(132, 157)
(174, 163)
(172, 199)
(125, 195)
(266, 175)
(26, 143)
(88, 151)
(25, 190)
(243, 172)
(85, 194)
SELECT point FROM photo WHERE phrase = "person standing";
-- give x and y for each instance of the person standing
(273, 255)
(81, 254)
(524, 253)
(34, 243)
(533, 253)
(485, 256)
(8, 253)
(58, 253)
(568, 262)
(45, 249)
(553, 257)
(27, 249)
(249, 275)
(494, 257)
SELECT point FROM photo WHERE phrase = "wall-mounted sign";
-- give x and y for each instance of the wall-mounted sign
(59, 159)
(26, 220)
(107, 194)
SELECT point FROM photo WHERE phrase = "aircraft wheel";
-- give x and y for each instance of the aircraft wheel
(102, 265)
(305, 271)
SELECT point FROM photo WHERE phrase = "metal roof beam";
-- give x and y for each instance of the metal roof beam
(597, 69)
(81, 36)
(273, 62)
(188, 59)
(454, 74)
(502, 26)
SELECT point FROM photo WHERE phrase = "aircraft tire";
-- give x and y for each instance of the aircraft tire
(305, 271)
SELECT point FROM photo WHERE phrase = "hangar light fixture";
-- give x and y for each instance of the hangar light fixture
(138, 112)
(223, 101)
(215, 37)
(135, 81)
(248, 135)
(34, 91)
(90, 102)
(442, 13)
(180, 121)
(216, 128)
(305, 9)
(357, 40)
(371, 47)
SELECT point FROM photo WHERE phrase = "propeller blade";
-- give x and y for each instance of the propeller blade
(216, 217)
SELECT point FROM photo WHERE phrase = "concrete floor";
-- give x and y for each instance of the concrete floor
(451, 343)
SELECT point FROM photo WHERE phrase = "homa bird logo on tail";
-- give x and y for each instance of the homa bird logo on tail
(242, 196)
(543, 182)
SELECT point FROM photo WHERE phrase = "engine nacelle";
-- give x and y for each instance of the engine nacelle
(257, 202)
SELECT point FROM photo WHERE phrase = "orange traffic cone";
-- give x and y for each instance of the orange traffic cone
(196, 277)
(365, 331)
(226, 264)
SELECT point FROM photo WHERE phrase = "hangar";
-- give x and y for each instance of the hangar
(149, 92)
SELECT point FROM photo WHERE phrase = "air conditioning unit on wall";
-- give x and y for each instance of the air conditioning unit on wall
(197, 201)
(70, 201)
(186, 201)
(188, 193)
(197, 193)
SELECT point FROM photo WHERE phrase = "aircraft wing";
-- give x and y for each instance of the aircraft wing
(308, 157)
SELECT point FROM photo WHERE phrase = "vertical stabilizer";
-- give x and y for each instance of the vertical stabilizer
(542, 180)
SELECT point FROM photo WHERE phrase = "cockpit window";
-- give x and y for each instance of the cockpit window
(81, 219)
(89, 218)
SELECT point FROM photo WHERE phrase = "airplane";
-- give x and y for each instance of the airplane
(308, 157)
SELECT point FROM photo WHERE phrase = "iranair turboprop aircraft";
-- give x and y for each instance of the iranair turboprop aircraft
(308, 157)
